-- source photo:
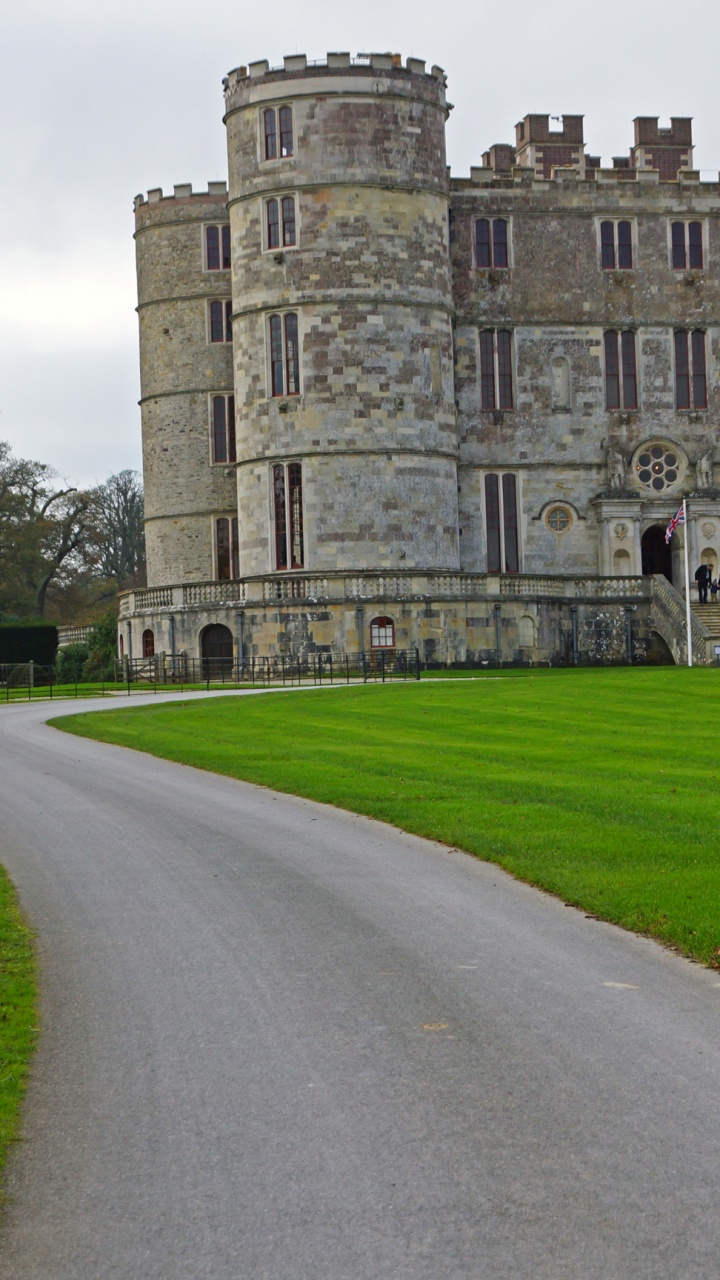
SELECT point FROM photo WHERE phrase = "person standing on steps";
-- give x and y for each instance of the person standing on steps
(702, 577)
(713, 591)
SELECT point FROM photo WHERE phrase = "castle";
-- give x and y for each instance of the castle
(384, 407)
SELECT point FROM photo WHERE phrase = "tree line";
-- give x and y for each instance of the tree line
(66, 552)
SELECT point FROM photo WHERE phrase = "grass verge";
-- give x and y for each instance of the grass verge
(17, 1011)
(599, 786)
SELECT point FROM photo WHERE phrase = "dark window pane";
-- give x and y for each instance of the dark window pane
(222, 538)
(292, 365)
(280, 517)
(607, 245)
(273, 225)
(629, 371)
(698, 369)
(235, 549)
(296, 520)
(148, 644)
(226, 246)
(219, 430)
(286, 131)
(510, 524)
(487, 370)
(270, 135)
(212, 248)
(682, 372)
(288, 218)
(228, 320)
(482, 243)
(678, 246)
(695, 249)
(276, 355)
(232, 451)
(612, 371)
(504, 354)
(217, 326)
(624, 249)
(492, 519)
(500, 245)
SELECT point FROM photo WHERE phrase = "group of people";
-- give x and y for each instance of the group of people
(704, 579)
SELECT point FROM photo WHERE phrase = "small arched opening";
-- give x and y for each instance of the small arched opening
(621, 563)
(148, 644)
(216, 648)
(382, 633)
(656, 552)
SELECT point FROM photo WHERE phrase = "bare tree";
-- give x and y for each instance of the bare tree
(117, 542)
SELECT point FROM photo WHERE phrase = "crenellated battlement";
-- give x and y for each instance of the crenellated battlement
(182, 191)
(588, 180)
(342, 63)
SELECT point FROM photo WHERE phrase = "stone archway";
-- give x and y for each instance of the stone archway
(216, 648)
(656, 552)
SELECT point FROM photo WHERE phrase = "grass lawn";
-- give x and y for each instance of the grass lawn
(601, 786)
(17, 1010)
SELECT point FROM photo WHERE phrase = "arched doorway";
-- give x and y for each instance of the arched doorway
(216, 647)
(656, 552)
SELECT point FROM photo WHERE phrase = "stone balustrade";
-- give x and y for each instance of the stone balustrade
(381, 587)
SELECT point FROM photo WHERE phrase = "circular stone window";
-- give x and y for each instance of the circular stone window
(658, 466)
(558, 519)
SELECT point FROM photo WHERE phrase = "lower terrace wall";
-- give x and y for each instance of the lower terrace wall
(473, 621)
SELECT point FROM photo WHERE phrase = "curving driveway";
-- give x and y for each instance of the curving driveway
(281, 1042)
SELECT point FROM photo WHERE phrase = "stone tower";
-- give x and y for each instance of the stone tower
(342, 316)
(186, 377)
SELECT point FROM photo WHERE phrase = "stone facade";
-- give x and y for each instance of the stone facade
(445, 389)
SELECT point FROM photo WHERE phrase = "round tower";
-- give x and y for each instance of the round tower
(184, 309)
(338, 203)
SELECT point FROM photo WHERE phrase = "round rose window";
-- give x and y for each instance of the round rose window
(657, 467)
(558, 519)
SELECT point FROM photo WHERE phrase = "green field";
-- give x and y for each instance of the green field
(17, 1011)
(601, 786)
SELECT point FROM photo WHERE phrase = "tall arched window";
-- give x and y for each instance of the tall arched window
(288, 513)
(148, 644)
(382, 633)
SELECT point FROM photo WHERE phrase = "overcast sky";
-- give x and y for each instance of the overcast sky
(104, 98)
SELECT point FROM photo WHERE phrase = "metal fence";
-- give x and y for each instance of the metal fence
(77, 677)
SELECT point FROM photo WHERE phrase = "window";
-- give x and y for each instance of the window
(280, 223)
(616, 245)
(382, 633)
(287, 511)
(501, 523)
(558, 519)
(657, 466)
(221, 321)
(277, 132)
(687, 245)
(148, 644)
(496, 388)
(217, 247)
(222, 429)
(284, 362)
(227, 548)
(690, 372)
(620, 370)
(491, 242)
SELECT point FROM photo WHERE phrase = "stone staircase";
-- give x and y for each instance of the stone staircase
(709, 615)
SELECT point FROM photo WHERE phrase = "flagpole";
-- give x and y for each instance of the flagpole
(687, 587)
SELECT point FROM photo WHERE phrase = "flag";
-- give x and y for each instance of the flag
(678, 518)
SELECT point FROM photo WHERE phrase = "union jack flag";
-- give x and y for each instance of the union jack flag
(678, 518)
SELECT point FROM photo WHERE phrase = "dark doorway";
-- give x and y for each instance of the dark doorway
(656, 552)
(216, 645)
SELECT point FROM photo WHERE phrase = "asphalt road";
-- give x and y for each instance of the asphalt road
(281, 1042)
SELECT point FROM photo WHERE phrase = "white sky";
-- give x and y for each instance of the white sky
(100, 99)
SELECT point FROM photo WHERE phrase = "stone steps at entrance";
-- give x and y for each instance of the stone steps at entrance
(709, 615)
